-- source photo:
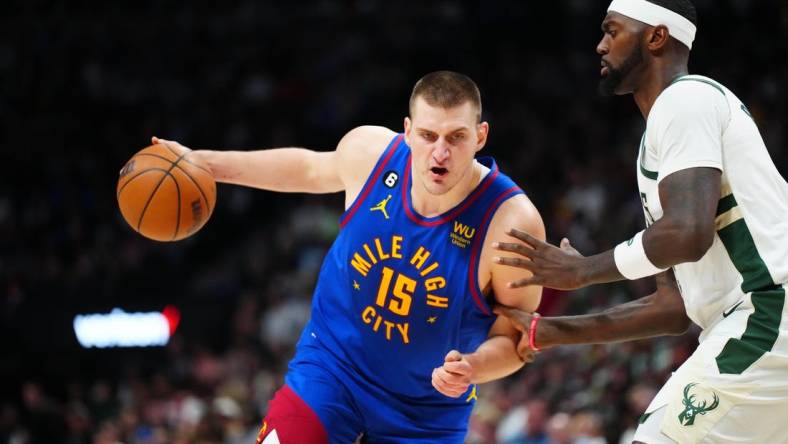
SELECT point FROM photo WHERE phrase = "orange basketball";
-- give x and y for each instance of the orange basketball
(165, 196)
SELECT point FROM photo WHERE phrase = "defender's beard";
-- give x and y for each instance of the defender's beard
(611, 82)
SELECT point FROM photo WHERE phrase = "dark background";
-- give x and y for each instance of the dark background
(84, 85)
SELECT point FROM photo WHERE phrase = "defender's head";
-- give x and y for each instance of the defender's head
(638, 32)
(444, 129)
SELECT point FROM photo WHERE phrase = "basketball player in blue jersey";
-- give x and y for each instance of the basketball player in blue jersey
(401, 329)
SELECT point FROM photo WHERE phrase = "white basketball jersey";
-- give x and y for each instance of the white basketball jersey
(696, 122)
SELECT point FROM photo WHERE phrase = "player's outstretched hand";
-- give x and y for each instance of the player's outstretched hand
(180, 150)
(550, 266)
(171, 144)
(453, 378)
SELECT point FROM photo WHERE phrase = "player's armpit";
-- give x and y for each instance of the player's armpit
(517, 212)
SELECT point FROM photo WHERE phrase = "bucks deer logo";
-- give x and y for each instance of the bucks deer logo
(691, 410)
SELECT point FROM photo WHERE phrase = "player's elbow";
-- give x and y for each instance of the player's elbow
(699, 240)
(693, 239)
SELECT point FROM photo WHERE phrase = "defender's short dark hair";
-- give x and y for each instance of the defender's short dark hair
(684, 8)
(447, 89)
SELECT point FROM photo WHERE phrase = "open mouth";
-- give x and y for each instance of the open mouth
(439, 171)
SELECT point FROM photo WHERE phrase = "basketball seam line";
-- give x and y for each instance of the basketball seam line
(150, 198)
(187, 160)
(199, 188)
(136, 176)
(178, 217)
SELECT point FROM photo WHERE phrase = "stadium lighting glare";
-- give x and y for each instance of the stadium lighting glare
(121, 329)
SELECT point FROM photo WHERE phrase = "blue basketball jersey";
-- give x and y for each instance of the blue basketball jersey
(397, 291)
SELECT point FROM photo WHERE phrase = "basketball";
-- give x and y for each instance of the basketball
(165, 196)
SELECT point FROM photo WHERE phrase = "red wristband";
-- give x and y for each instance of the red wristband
(532, 332)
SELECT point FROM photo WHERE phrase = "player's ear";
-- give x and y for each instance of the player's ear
(408, 125)
(482, 130)
(658, 37)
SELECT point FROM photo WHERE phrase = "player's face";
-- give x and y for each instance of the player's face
(443, 143)
(622, 59)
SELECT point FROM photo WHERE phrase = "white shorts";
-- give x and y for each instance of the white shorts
(708, 400)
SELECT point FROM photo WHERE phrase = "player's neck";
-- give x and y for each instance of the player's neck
(430, 205)
(655, 81)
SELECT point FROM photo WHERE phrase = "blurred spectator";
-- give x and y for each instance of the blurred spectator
(534, 430)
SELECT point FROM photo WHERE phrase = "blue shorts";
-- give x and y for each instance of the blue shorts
(348, 407)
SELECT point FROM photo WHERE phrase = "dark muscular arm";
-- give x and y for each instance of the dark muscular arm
(660, 313)
(684, 233)
(686, 230)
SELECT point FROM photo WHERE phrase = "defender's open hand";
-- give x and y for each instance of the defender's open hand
(551, 266)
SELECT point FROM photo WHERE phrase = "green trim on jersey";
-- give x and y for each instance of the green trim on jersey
(725, 204)
(763, 327)
(649, 174)
(763, 324)
(644, 417)
(706, 81)
(745, 257)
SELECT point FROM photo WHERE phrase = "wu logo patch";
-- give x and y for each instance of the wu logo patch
(691, 410)
(381, 206)
(390, 179)
(462, 234)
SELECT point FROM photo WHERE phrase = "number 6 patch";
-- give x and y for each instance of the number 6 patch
(390, 179)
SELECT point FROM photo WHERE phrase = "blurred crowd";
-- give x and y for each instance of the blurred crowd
(85, 85)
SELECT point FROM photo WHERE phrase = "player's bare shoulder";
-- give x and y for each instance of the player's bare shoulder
(518, 212)
(358, 152)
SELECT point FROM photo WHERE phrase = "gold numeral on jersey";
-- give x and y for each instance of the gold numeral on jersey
(401, 295)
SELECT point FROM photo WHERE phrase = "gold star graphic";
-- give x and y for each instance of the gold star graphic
(432, 319)
(356, 286)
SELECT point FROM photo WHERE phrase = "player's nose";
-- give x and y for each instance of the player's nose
(602, 47)
(441, 152)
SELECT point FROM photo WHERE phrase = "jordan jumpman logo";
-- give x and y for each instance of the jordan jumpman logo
(381, 206)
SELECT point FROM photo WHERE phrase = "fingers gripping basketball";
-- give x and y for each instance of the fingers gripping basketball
(164, 195)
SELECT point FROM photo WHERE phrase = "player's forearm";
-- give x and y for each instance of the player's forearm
(643, 318)
(282, 169)
(494, 359)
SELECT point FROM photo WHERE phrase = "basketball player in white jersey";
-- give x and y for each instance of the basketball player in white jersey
(716, 212)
